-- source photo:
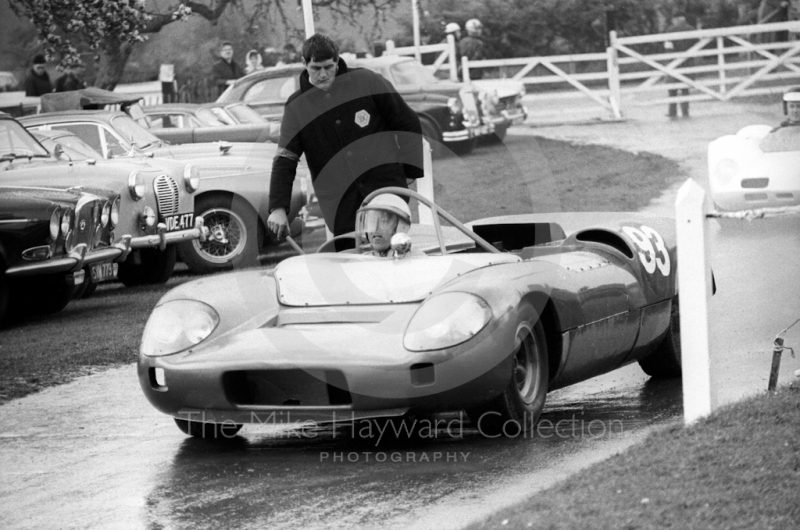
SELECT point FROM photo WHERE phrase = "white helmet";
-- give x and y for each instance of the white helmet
(452, 27)
(473, 24)
(368, 215)
(792, 94)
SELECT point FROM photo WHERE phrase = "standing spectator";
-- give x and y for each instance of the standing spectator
(679, 24)
(38, 80)
(253, 62)
(454, 29)
(226, 69)
(290, 55)
(357, 132)
(472, 46)
(70, 80)
(271, 56)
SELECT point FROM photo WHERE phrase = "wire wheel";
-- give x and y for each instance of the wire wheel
(527, 370)
(227, 238)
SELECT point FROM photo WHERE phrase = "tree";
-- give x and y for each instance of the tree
(111, 28)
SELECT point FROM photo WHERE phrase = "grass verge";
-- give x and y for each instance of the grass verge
(525, 174)
(739, 468)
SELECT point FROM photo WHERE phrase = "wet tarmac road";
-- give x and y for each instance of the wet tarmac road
(94, 454)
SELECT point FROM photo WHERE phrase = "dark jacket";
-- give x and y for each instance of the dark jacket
(69, 82)
(473, 48)
(360, 132)
(222, 71)
(36, 85)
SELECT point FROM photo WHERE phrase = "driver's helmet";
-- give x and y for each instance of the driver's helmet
(452, 27)
(473, 25)
(369, 215)
(792, 94)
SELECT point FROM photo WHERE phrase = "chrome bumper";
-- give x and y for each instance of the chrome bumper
(74, 261)
(162, 238)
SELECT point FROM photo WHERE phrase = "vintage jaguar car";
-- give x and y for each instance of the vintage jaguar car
(448, 122)
(48, 237)
(156, 203)
(757, 167)
(338, 337)
(181, 123)
(234, 201)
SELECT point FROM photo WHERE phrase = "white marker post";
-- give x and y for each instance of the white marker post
(699, 390)
(308, 17)
(425, 184)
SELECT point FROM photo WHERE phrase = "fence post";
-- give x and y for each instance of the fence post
(451, 46)
(612, 64)
(699, 390)
(465, 70)
(425, 184)
(721, 64)
(390, 47)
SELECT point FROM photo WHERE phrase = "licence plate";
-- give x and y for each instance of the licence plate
(104, 271)
(180, 221)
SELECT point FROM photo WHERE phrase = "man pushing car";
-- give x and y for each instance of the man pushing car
(357, 132)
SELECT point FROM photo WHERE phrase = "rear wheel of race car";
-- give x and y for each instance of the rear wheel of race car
(665, 362)
(521, 403)
(431, 133)
(153, 266)
(208, 431)
(234, 237)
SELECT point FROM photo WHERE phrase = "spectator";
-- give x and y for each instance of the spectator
(38, 80)
(271, 56)
(455, 30)
(253, 62)
(226, 69)
(356, 131)
(681, 45)
(472, 46)
(290, 55)
(70, 80)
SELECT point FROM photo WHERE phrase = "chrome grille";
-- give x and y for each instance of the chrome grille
(83, 227)
(167, 195)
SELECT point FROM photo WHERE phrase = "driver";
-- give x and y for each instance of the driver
(786, 136)
(384, 216)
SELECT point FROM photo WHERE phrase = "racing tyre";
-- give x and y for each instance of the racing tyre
(665, 362)
(519, 406)
(431, 133)
(208, 431)
(155, 266)
(234, 236)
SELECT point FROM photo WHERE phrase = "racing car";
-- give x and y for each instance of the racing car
(755, 168)
(487, 318)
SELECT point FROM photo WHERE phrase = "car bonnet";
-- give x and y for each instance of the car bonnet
(352, 279)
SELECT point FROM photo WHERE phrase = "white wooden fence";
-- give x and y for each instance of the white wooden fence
(719, 64)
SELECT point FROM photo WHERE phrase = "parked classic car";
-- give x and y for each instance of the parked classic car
(48, 237)
(234, 201)
(755, 168)
(350, 336)
(181, 123)
(447, 122)
(156, 203)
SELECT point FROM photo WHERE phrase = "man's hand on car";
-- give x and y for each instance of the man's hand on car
(278, 223)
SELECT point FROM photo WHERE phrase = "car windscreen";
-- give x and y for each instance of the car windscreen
(73, 146)
(15, 140)
(134, 133)
(246, 114)
(211, 118)
(412, 73)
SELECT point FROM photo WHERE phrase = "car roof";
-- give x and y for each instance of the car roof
(166, 107)
(72, 115)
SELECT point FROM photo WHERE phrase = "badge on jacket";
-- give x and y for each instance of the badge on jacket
(362, 118)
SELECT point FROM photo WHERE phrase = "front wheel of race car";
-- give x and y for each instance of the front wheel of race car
(234, 236)
(208, 431)
(665, 362)
(521, 403)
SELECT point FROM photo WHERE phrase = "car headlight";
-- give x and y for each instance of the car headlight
(55, 224)
(191, 178)
(136, 185)
(114, 214)
(726, 170)
(66, 220)
(176, 326)
(456, 105)
(446, 320)
(105, 215)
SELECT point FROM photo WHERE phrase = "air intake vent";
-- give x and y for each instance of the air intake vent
(167, 195)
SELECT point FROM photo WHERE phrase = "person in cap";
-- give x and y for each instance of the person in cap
(472, 46)
(786, 136)
(385, 216)
(38, 80)
(225, 69)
